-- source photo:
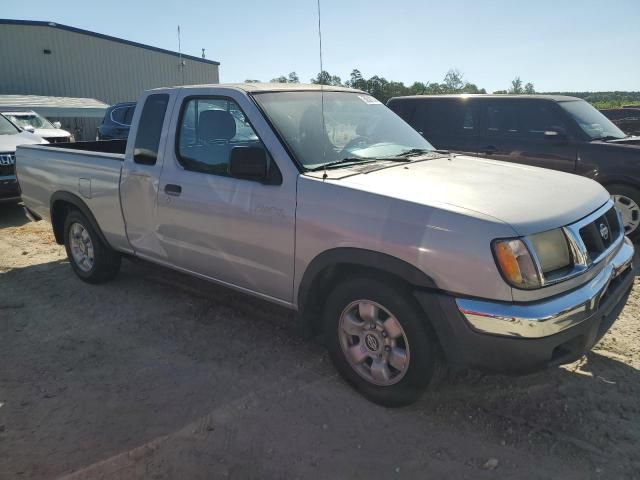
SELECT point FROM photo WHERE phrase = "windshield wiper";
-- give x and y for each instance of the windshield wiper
(414, 152)
(356, 161)
(605, 138)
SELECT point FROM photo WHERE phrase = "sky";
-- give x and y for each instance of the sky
(559, 45)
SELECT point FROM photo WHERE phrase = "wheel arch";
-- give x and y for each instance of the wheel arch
(330, 266)
(60, 204)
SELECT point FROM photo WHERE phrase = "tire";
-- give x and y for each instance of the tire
(383, 301)
(627, 200)
(82, 241)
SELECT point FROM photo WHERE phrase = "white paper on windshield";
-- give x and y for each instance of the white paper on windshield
(369, 100)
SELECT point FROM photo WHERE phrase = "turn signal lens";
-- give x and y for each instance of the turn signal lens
(515, 263)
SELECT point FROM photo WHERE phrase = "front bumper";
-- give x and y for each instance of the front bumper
(9, 189)
(512, 337)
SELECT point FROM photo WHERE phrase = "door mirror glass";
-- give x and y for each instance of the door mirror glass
(249, 163)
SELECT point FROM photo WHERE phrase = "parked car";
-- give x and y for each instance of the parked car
(10, 137)
(35, 123)
(326, 202)
(626, 118)
(551, 131)
(116, 122)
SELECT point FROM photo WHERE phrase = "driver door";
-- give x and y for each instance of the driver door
(237, 232)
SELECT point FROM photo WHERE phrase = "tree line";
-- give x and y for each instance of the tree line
(452, 83)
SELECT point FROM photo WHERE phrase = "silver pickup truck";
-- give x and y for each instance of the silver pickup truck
(326, 202)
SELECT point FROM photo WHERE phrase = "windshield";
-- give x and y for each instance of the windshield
(355, 126)
(29, 119)
(591, 121)
(6, 127)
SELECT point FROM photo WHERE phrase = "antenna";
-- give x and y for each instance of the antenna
(181, 66)
(324, 129)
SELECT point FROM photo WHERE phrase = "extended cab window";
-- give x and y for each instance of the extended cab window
(209, 129)
(150, 129)
(445, 117)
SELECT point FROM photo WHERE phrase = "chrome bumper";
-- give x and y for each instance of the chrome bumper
(541, 319)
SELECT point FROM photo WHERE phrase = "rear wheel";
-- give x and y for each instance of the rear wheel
(91, 259)
(627, 201)
(378, 342)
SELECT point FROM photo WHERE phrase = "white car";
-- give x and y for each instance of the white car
(35, 123)
(10, 137)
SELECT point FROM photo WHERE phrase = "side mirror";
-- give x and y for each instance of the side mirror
(57, 125)
(29, 129)
(248, 163)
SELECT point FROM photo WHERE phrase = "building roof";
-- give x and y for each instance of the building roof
(555, 98)
(54, 106)
(35, 23)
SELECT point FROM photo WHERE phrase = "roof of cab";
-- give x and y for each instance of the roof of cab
(554, 98)
(273, 87)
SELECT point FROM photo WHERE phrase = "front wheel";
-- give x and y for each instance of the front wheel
(378, 341)
(627, 201)
(91, 259)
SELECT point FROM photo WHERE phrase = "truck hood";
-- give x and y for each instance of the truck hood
(8, 143)
(51, 132)
(529, 199)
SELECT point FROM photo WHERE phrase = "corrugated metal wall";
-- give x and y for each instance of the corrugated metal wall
(85, 66)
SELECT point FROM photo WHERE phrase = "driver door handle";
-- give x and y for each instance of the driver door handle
(173, 190)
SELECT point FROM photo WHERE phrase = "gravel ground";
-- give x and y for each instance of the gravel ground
(157, 375)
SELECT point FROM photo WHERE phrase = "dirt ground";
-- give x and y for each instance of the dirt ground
(157, 375)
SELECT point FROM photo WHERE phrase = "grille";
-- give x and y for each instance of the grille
(57, 139)
(7, 164)
(600, 234)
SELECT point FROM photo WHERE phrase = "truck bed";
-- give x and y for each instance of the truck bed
(47, 172)
(99, 146)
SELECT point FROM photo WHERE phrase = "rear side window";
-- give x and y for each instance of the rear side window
(501, 118)
(129, 115)
(445, 117)
(150, 129)
(118, 114)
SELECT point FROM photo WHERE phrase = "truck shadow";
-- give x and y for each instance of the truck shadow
(12, 215)
(114, 366)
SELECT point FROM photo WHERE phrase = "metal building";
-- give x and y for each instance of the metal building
(45, 58)
(53, 60)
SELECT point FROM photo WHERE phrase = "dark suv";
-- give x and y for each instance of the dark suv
(551, 131)
(116, 122)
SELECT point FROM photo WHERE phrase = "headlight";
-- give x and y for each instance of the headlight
(72, 138)
(551, 249)
(524, 263)
(516, 264)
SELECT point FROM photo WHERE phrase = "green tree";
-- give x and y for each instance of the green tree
(516, 86)
(418, 88)
(529, 89)
(251, 81)
(453, 81)
(293, 78)
(280, 79)
(356, 80)
(325, 78)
